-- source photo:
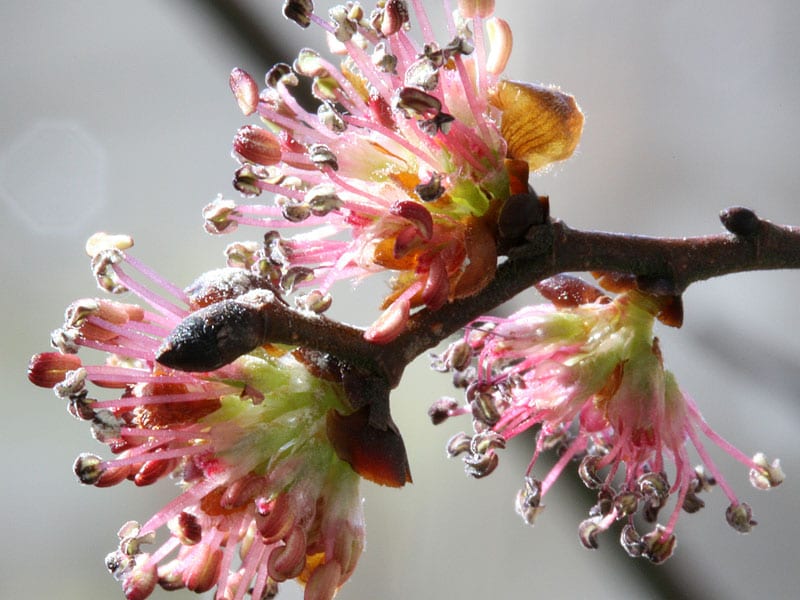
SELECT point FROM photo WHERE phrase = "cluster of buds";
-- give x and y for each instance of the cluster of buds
(265, 495)
(587, 373)
(404, 166)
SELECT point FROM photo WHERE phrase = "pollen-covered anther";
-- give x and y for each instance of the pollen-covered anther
(257, 145)
(440, 122)
(481, 465)
(102, 267)
(322, 156)
(89, 468)
(217, 216)
(588, 531)
(423, 74)
(245, 181)
(330, 117)
(315, 301)
(245, 90)
(431, 189)
(588, 472)
(101, 241)
(299, 11)
(413, 102)
(657, 546)
(322, 199)
(442, 409)
(528, 503)
(767, 475)
(631, 541)
(740, 517)
(626, 503)
(383, 60)
(295, 276)
(344, 26)
(458, 444)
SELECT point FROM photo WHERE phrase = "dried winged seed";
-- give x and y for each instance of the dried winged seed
(245, 90)
(588, 531)
(540, 124)
(309, 64)
(330, 117)
(767, 475)
(281, 73)
(588, 472)
(458, 444)
(630, 539)
(423, 74)
(430, 190)
(299, 11)
(322, 156)
(385, 62)
(413, 102)
(481, 465)
(740, 517)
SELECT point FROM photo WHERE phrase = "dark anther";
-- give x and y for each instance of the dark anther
(213, 336)
(740, 221)
(299, 11)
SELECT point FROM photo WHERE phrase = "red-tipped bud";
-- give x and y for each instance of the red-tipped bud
(245, 90)
(257, 145)
(50, 368)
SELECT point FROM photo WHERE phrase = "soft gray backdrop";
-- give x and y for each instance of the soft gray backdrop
(117, 116)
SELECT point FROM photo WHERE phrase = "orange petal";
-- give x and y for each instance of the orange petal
(540, 124)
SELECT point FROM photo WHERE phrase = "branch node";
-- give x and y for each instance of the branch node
(740, 221)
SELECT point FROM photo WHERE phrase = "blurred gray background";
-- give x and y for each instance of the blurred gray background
(117, 116)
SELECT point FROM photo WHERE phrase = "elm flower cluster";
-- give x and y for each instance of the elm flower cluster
(587, 373)
(403, 167)
(264, 499)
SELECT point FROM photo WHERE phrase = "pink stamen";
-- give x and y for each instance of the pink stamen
(160, 304)
(578, 445)
(706, 458)
(131, 401)
(424, 22)
(143, 454)
(126, 350)
(191, 496)
(153, 276)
